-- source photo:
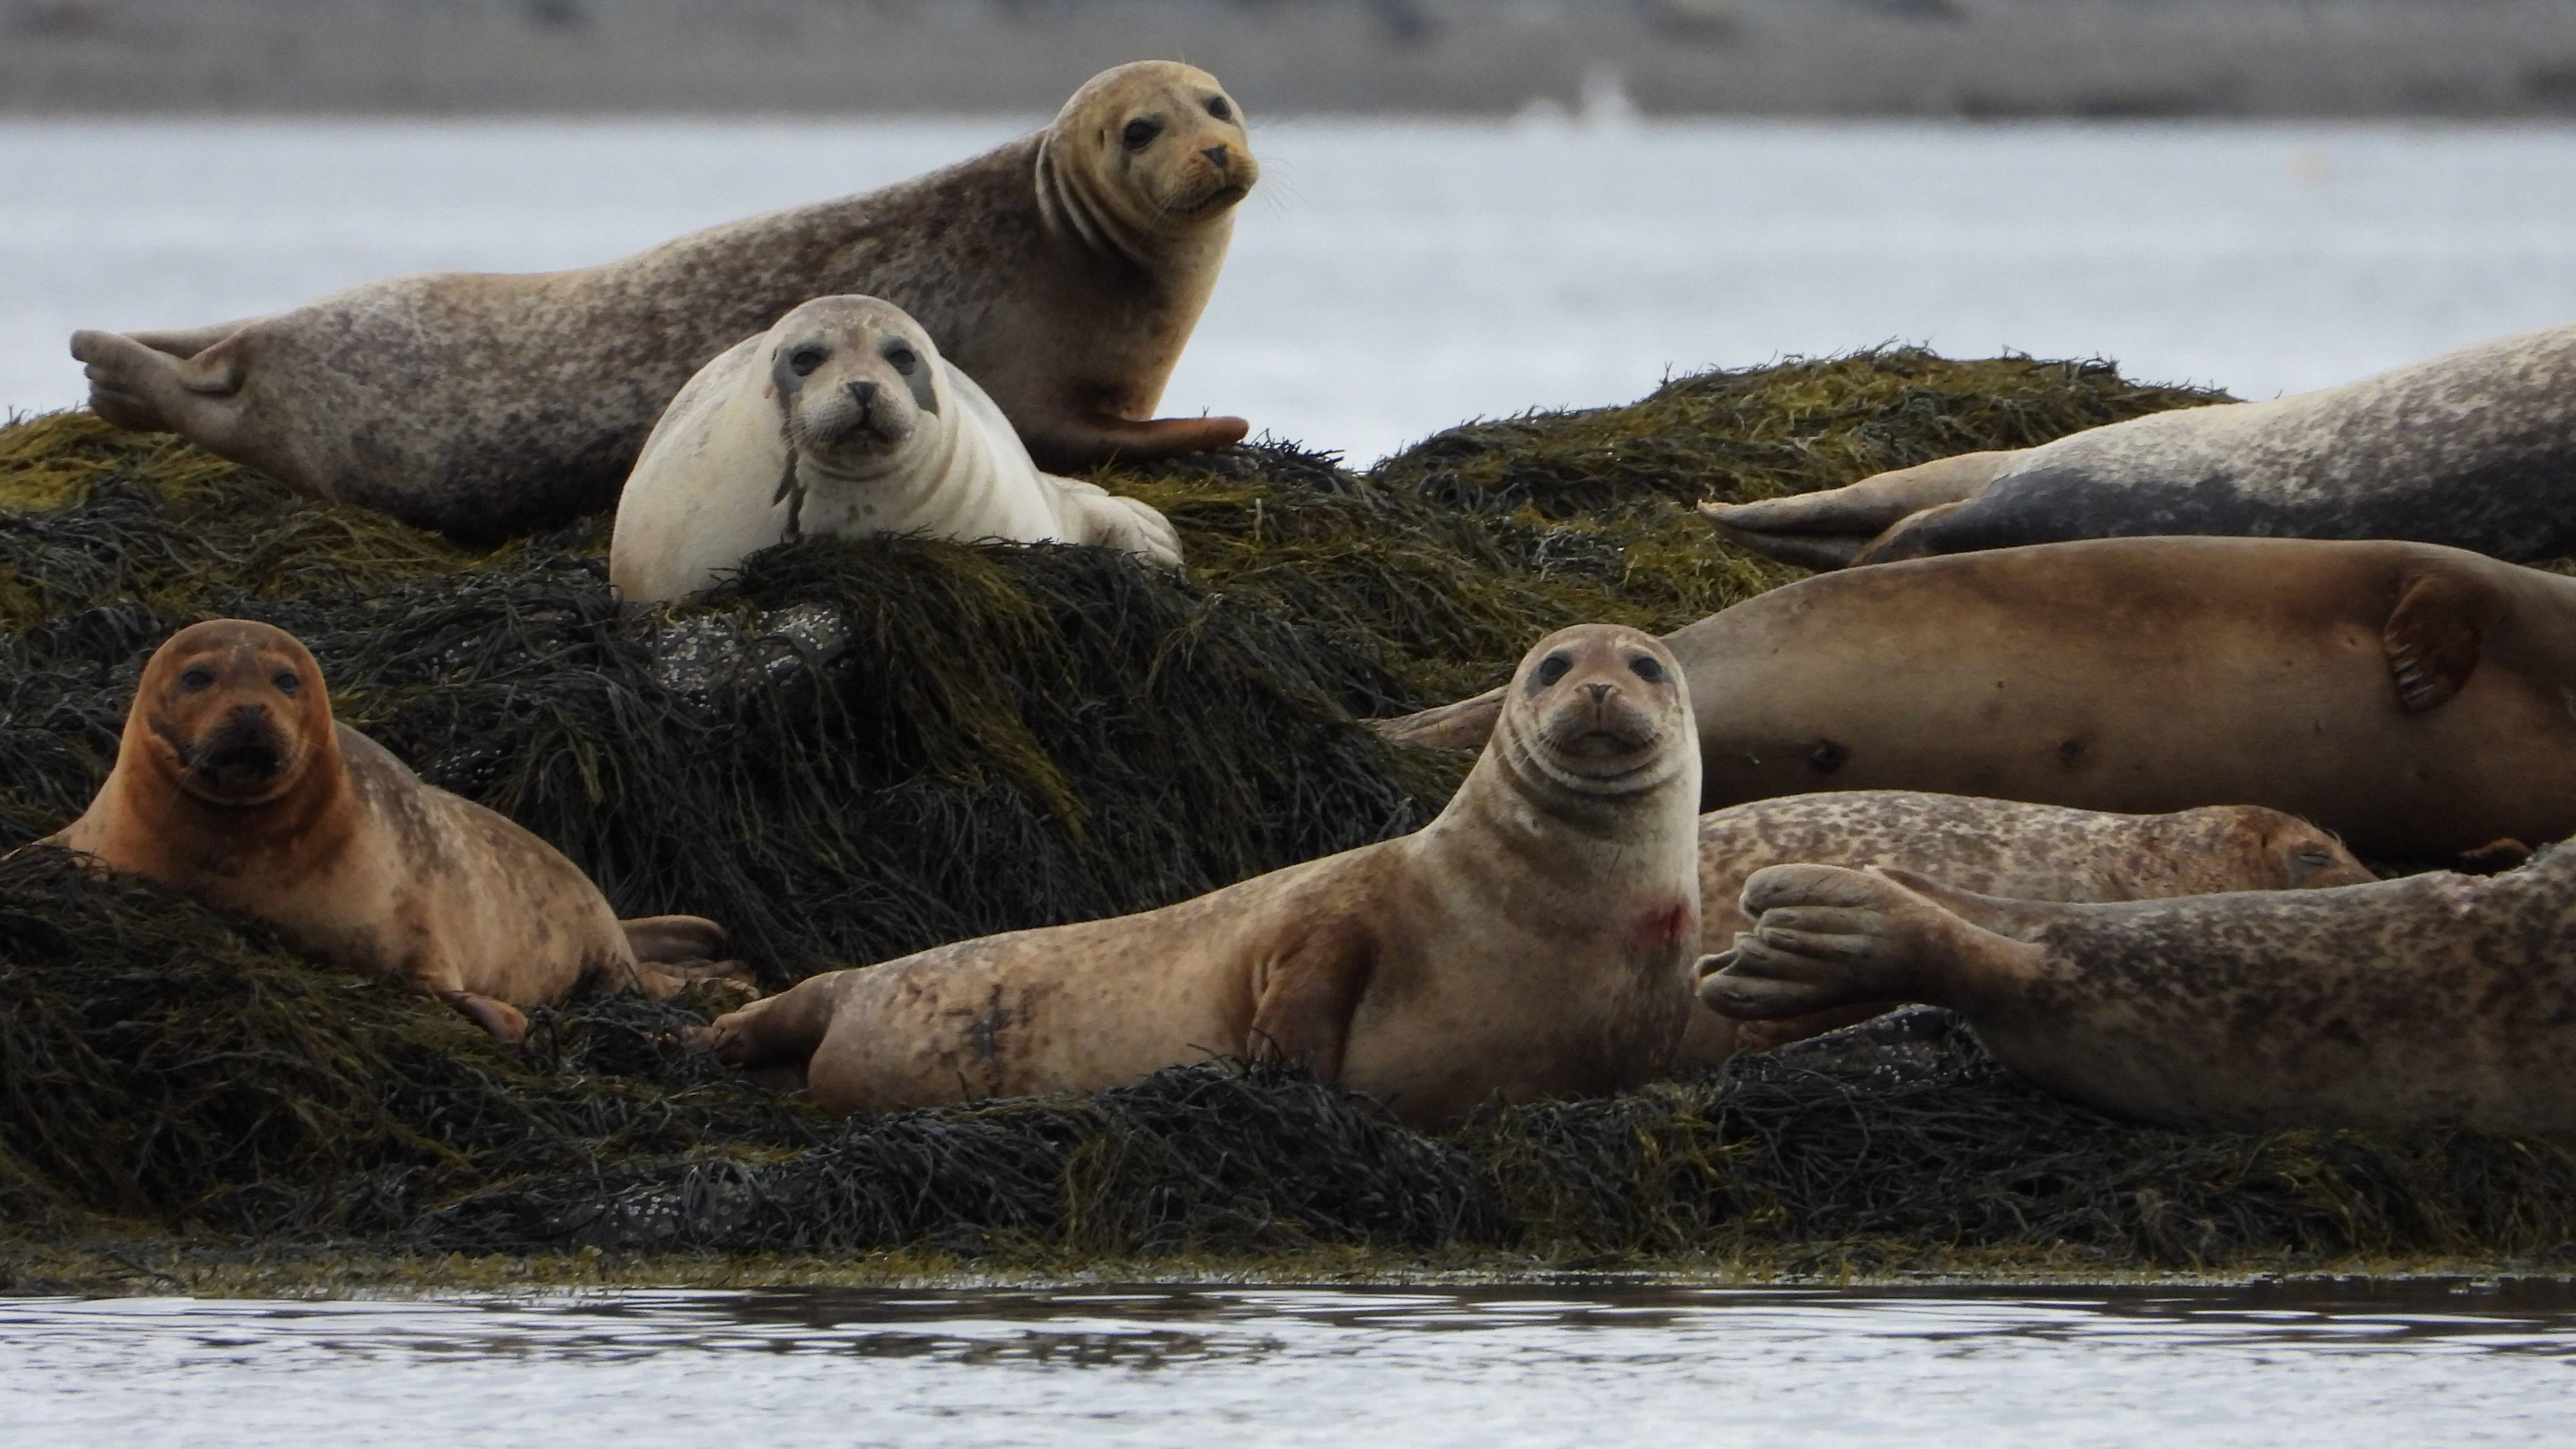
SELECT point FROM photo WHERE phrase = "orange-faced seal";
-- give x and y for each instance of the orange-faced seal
(2435, 999)
(2411, 699)
(2475, 449)
(1997, 847)
(1064, 271)
(1534, 940)
(233, 784)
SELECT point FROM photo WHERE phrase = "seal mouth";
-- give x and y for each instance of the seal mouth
(240, 764)
(1223, 195)
(1603, 742)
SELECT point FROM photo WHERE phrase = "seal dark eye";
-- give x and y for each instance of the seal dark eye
(1645, 668)
(1219, 109)
(903, 358)
(804, 360)
(286, 682)
(2315, 857)
(196, 679)
(1140, 134)
(1552, 668)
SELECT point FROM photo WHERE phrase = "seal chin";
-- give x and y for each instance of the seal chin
(1207, 201)
(240, 765)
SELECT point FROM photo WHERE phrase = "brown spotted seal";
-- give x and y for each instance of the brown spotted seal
(1063, 271)
(2435, 999)
(1534, 940)
(844, 420)
(233, 784)
(1997, 847)
(2414, 700)
(2475, 449)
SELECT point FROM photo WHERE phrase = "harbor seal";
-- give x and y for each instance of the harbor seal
(843, 419)
(234, 785)
(1997, 847)
(2475, 449)
(1064, 270)
(2413, 700)
(2434, 999)
(1534, 940)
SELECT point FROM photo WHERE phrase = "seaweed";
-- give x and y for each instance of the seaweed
(854, 750)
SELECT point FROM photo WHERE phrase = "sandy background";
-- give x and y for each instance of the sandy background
(2282, 58)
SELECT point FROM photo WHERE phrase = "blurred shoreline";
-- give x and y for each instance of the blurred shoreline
(1785, 58)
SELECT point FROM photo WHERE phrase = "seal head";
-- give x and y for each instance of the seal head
(853, 376)
(1593, 711)
(1143, 154)
(232, 713)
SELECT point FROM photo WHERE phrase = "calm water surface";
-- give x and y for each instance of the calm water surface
(1487, 1367)
(1389, 279)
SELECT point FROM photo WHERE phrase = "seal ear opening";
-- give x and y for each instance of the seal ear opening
(2435, 635)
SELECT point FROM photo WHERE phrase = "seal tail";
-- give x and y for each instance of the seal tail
(146, 389)
(1833, 528)
(1826, 937)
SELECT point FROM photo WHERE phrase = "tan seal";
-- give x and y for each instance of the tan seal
(1064, 272)
(2475, 449)
(843, 420)
(234, 785)
(2414, 700)
(1997, 847)
(2435, 999)
(1535, 940)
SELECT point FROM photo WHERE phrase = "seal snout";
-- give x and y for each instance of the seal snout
(243, 755)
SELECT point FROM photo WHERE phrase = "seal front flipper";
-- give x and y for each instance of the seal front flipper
(1832, 528)
(1088, 441)
(1307, 996)
(2435, 635)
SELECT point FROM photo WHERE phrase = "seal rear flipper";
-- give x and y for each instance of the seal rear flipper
(2435, 635)
(139, 388)
(782, 1031)
(1465, 725)
(658, 939)
(1308, 995)
(1830, 529)
(1826, 937)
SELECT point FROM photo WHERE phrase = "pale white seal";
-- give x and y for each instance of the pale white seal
(843, 420)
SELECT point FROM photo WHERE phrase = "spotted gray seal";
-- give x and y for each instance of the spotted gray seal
(2475, 449)
(1065, 271)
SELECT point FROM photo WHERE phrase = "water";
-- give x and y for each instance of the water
(1389, 279)
(1492, 1368)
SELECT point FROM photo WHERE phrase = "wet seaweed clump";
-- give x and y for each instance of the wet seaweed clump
(855, 750)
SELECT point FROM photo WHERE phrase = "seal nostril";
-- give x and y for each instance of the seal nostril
(863, 392)
(1599, 692)
(1218, 154)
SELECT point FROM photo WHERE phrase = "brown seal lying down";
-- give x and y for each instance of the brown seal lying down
(2475, 449)
(1064, 272)
(2435, 999)
(233, 784)
(1997, 847)
(2411, 699)
(1535, 940)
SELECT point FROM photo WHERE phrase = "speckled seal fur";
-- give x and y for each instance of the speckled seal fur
(2474, 449)
(2435, 999)
(1535, 940)
(233, 784)
(1998, 847)
(2414, 700)
(1064, 271)
(843, 420)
